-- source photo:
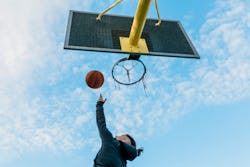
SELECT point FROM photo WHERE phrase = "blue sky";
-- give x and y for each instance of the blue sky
(196, 112)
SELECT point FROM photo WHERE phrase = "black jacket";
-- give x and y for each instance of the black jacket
(113, 153)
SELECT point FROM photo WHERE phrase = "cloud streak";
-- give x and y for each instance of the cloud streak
(30, 64)
(224, 37)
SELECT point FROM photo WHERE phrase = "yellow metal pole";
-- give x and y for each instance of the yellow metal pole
(139, 21)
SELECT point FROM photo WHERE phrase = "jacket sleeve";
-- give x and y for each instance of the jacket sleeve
(104, 133)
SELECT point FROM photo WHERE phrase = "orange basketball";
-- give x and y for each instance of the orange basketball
(94, 79)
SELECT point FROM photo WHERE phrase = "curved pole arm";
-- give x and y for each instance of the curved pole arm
(158, 14)
(99, 17)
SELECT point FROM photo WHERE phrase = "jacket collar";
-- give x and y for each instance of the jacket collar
(129, 152)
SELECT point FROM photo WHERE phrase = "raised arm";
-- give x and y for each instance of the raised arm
(104, 133)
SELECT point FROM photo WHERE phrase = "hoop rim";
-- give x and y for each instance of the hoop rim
(132, 83)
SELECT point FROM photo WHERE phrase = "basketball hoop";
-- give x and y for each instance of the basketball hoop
(128, 35)
(129, 70)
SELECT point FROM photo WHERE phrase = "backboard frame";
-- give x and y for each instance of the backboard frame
(151, 53)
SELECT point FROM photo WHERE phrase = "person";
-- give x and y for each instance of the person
(114, 152)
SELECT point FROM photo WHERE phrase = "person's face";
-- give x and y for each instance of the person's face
(123, 138)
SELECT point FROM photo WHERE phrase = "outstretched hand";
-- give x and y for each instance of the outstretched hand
(101, 99)
(139, 151)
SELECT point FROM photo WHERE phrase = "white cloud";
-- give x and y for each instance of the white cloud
(225, 42)
(31, 43)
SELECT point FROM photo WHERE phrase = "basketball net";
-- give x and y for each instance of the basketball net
(129, 71)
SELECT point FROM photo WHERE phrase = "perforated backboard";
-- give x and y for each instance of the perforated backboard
(84, 32)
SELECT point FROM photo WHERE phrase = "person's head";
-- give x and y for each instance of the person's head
(126, 138)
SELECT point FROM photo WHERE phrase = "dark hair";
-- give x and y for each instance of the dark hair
(132, 140)
(133, 143)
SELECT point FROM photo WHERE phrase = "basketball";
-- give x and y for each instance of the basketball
(94, 79)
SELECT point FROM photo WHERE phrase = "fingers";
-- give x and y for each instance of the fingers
(105, 100)
(101, 99)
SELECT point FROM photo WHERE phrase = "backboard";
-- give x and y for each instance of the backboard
(84, 32)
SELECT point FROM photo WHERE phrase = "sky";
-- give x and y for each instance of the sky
(195, 112)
